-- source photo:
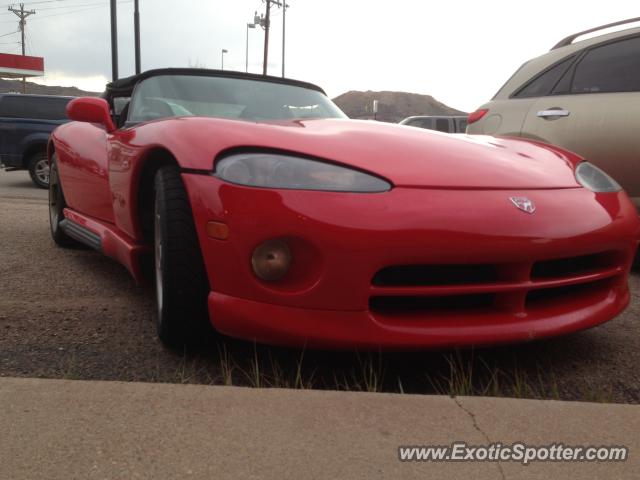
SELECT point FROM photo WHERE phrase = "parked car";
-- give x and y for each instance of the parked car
(264, 209)
(26, 122)
(447, 124)
(583, 96)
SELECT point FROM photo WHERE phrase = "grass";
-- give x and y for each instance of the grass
(457, 373)
(69, 368)
(494, 373)
(227, 366)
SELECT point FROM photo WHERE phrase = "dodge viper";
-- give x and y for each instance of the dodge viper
(254, 202)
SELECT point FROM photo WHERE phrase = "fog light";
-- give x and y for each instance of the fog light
(271, 260)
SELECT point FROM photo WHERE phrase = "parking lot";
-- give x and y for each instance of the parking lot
(75, 314)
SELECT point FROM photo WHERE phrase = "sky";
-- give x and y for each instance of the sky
(460, 52)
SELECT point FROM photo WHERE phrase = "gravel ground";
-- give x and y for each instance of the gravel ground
(75, 314)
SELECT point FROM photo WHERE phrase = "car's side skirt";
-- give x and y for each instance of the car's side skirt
(108, 239)
(81, 234)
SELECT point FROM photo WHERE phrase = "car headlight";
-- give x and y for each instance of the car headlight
(591, 177)
(270, 170)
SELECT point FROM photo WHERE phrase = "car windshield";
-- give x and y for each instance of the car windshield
(191, 95)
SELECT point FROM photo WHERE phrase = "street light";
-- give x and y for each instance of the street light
(224, 50)
(246, 57)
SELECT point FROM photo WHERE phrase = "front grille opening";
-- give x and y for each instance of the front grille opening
(429, 304)
(419, 275)
(573, 266)
(550, 296)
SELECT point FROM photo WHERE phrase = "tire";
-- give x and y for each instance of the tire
(181, 281)
(57, 204)
(38, 166)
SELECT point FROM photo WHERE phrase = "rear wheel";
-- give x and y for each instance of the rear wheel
(181, 282)
(57, 204)
(38, 166)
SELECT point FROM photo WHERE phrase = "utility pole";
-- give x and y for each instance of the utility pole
(114, 41)
(136, 29)
(284, 30)
(267, 21)
(22, 14)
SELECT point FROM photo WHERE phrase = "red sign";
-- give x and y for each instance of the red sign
(20, 66)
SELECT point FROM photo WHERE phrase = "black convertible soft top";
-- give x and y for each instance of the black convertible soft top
(124, 86)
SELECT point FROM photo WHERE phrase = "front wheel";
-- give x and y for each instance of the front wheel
(38, 166)
(181, 281)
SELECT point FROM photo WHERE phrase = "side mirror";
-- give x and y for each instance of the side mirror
(92, 110)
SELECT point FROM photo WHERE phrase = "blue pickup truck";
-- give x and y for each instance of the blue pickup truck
(25, 124)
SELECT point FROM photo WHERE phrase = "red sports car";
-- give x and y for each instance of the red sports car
(261, 206)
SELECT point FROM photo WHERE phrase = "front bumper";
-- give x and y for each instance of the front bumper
(341, 241)
(331, 329)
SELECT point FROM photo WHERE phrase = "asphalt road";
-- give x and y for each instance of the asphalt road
(74, 314)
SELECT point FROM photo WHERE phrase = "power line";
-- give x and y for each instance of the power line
(28, 4)
(40, 17)
(71, 6)
(96, 4)
(32, 3)
(80, 10)
(29, 44)
(11, 50)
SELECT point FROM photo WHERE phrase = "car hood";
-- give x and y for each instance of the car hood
(407, 156)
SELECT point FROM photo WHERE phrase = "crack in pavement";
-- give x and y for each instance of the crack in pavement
(482, 432)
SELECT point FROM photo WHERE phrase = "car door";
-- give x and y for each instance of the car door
(85, 171)
(506, 115)
(594, 110)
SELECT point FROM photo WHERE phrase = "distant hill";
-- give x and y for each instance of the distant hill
(7, 86)
(392, 106)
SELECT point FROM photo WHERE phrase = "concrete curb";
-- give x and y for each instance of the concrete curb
(113, 430)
